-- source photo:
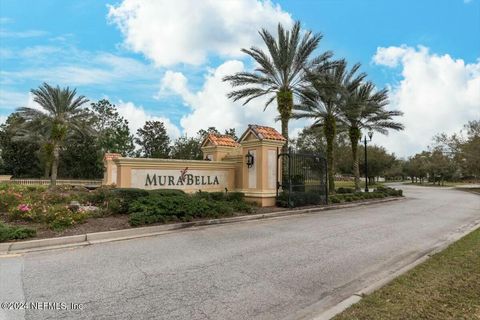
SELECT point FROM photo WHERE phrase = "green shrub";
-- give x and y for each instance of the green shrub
(167, 192)
(12, 233)
(334, 199)
(235, 196)
(343, 190)
(123, 197)
(99, 196)
(9, 199)
(219, 196)
(59, 217)
(298, 199)
(388, 191)
(156, 207)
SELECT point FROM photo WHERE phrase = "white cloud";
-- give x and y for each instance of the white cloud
(184, 31)
(436, 93)
(22, 34)
(10, 100)
(211, 107)
(137, 116)
(3, 119)
(80, 67)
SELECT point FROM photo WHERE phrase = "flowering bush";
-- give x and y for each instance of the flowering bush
(8, 199)
(24, 212)
(60, 217)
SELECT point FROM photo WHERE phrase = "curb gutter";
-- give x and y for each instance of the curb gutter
(124, 234)
(357, 296)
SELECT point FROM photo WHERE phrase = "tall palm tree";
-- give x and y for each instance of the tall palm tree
(61, 114)
(31, 131)
(280, 72)
(364, 109)
(321, 100)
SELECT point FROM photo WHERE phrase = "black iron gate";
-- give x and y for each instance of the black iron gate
(304, 179)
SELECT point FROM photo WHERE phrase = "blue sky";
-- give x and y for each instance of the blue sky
(163, 60)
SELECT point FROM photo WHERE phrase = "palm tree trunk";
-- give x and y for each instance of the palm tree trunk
(285, 106)
(56, 156)
(329, 130)
(354, 134)
(46, 170)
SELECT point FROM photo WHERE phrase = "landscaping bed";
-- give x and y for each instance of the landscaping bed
(40, 212)
(446, 286)
(36, 211)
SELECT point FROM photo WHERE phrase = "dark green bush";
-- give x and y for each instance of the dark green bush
(334, 199)
(167, 192)
(298, 199)
(121, 198)
(156, 207)
(235, 196)
(220, 196)
(343, 190)
(217, 196)
(12, 233)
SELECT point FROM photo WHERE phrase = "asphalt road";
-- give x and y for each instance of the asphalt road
(272, 269)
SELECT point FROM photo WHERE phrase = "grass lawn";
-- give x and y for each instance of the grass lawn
(446, 286)
(351, 184)
(429, 184)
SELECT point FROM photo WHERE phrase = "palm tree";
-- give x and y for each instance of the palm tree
(364, 109)
(39, 133)
(281, 71)
(61, 114)
(321, 100)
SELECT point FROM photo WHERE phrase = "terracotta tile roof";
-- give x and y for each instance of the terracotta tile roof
(111, 156)
(222, 140)
(266, 133)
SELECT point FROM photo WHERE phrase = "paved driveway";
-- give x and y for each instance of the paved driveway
(271, 269)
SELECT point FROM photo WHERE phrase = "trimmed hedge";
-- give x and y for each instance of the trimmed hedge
(343, 190)
(379, 193)
(160, 207)
(298, 199)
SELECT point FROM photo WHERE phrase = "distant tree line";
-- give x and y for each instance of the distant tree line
(449, 158)
(454, 157)
(70, 140)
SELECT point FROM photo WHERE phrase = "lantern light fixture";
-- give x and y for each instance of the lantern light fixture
(250, 160)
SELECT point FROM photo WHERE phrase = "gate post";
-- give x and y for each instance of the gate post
(259, 174)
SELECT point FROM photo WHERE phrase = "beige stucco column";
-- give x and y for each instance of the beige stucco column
(110, 168)
(259, 182)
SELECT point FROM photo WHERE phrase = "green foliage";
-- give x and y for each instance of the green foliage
(173, 206)
(62, 115)
(113, 131)
(153, 140)
(18, 157)
(298, 199)
(167, 192)
(389, 191)
(14, 233)
(81, 158)
(379, 161)
(334, 199)
(345, 190)
(343, 195)
(186, 148)
(59, 217)
(124, 197)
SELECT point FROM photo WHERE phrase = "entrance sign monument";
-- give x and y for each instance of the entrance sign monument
(249, 166)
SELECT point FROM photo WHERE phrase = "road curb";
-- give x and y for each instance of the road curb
(125, 234)
(357, 296)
